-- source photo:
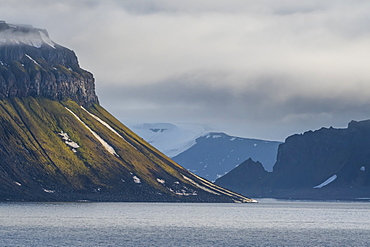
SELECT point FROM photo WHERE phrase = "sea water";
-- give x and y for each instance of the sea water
(267, 223)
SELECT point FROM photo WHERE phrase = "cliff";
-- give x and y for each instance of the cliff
(31, 64)
(328, 163)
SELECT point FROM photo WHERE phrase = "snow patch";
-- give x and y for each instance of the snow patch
(108, 147)
(326, 182)
(184, 192)
(136, 180)
(72, 144)
(181, 191)
(46, 39)
(64, 135)
(16, 34)
(107, 125)
(220, 175)
(68, 141)
(33, 60)
(161, 181)
(49, 191)
(198, 185)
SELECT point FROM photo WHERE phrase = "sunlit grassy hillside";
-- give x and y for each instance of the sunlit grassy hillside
(52, 150)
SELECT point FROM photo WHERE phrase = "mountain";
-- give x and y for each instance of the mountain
(171, 139)
(205, 153)
(328, 163)
(249, 176)
(215, 154)
(58, 144)
(33, 65)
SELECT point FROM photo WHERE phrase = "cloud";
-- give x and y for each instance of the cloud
(256, 68)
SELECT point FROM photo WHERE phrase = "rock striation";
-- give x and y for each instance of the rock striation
(31, 64)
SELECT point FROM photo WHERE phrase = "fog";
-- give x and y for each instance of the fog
(261, 69)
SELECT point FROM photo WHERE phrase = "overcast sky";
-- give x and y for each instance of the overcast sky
(263, 69)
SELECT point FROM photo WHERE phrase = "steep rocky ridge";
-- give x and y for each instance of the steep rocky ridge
(31, 64)
(58, 144)
(328, 163)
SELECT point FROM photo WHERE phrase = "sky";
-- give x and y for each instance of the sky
(262, 69)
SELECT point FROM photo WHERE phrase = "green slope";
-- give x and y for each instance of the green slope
(99, 158)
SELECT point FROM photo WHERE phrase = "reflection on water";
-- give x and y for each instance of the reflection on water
(268, 223)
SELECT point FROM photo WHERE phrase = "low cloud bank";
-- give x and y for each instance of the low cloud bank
(263, 69)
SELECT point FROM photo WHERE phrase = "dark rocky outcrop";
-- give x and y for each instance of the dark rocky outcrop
(248, 176)
(31, 64)
(328, 163)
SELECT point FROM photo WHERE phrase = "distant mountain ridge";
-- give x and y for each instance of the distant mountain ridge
(206, 153)
(58, 144)
(215, 154)
(171, 139)
(328, 163)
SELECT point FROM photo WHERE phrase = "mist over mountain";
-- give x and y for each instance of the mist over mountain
(33, 65)
(206, 153)
(171, 139)
(58, 144)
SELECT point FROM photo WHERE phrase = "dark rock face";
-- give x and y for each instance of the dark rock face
(309, 159)
(33, 65)
(215, 154)
(248, 175)
(325, 164)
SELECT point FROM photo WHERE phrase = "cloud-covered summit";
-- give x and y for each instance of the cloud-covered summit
(262, 69)
(11, 34)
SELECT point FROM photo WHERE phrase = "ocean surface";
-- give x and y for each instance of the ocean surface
(267, 223)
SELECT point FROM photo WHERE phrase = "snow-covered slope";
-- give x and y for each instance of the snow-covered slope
(207, 154)
(169, 138)
(24, 34)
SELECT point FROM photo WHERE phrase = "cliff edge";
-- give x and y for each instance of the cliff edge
(31, 64)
